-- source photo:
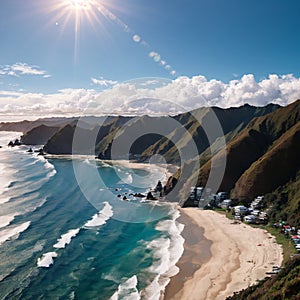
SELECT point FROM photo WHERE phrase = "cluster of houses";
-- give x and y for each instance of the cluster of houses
(256, 213)
(200, 197)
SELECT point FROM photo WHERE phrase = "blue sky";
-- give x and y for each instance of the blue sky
(220, 40)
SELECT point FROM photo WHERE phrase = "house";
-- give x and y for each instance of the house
(222, 196)
(250, 219)
(257, 202)
(255, 212)
(226, 203)
(240, 210)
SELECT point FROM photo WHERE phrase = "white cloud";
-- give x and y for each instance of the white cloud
(103, 82)
(171, 96)
(10, 93)
(19, 69)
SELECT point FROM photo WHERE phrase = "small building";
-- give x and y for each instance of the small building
(250, 219)
(240, 210)
(226, 203)
(222, 196)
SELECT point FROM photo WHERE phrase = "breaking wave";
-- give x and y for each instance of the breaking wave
(101, 217)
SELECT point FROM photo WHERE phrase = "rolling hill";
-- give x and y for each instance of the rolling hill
(266, 149)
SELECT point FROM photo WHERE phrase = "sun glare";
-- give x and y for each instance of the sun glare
(80, 4)
(79, 12)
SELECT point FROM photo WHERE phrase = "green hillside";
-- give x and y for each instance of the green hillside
(284, 286)
(191, 126)
(254, 146)
(276, 167)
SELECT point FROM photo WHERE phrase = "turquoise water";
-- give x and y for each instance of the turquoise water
(64, 240)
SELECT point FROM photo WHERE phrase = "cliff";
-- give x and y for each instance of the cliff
(38, 135)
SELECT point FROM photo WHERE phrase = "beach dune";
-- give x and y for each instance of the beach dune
(240, 255)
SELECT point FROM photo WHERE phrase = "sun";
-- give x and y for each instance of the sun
(80, 4)
(75, 11)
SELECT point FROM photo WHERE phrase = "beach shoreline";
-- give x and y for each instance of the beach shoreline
(238, 256)
(167, 169)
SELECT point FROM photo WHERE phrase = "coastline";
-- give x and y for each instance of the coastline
(217, 259)
(239, 256)
(196, 253)
(167, 169)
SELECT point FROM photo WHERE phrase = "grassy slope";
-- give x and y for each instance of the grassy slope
(273, 169)
(285, 203)
(252, 143)
(284, 286)
(190, 129)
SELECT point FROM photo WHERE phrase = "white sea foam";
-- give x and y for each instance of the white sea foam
(90, 162)
(128, 179)
(127, 290)
(6, 220)
(65, 239)
(105, 165)
(46, 260)
(166, 251)
(48, 166)
(6, 136)
(13, 232)
(51, 174)
(100, 218)
(72, 295)
(4, 200)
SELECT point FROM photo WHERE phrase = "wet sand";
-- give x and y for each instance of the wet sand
(196, 253)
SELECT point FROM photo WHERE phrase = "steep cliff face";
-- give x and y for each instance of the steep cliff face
(61, 142)
(38, 135)
(79, 138)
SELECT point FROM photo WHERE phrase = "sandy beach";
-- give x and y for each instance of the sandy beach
(238, 256)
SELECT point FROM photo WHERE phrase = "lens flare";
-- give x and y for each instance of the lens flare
(94, 11)
(80, 4)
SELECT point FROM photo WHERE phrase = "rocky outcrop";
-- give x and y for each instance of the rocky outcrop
(14, 143)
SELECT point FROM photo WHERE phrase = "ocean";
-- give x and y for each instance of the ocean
(67, 233)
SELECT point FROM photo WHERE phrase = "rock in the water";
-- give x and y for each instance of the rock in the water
(150, 196)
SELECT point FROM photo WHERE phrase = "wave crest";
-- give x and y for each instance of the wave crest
(100, 218)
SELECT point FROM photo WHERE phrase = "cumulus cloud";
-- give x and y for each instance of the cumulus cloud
(155, 96)
(19, 69)
(103, 82)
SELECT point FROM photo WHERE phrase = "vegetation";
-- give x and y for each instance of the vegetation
(232, 121)
(284, 286)
(287, 245)
(285, 202)
(262, 156)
